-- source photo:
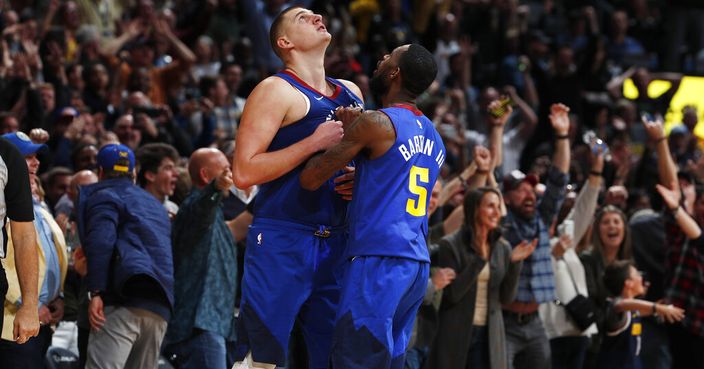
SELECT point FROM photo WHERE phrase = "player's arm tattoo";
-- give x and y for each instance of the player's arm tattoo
(368, 127)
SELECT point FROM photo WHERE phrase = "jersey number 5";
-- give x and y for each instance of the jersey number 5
(418, 208)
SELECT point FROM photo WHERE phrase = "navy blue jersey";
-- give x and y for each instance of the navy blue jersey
(283, 198)
(621, 346)
(388, 213)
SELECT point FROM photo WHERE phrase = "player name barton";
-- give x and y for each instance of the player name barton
(421, 145)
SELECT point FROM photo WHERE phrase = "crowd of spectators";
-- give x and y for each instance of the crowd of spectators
(168, 78)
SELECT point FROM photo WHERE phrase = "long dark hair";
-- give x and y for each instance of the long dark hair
(624, 250)
(472, 201)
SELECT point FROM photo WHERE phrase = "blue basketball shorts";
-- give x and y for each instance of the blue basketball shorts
(291, 271)
(378, 306)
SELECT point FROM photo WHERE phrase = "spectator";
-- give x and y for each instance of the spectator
(52, 273)
(57, 182)
(16, 205)
(157, 173)
(527, 342)
(474, 298)
(125, 236)
(205, 266)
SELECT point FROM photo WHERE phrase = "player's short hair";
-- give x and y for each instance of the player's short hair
(275, 30)
(418, 69)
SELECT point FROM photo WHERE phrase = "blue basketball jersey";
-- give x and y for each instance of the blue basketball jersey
(283, 198)
(388, 213)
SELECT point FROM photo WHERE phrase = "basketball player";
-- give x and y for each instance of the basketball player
(295, 243)
(398, 156)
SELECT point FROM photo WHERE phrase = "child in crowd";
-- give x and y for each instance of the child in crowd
(622, 342)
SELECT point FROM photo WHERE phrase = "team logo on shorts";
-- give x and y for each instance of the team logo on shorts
(259, 239)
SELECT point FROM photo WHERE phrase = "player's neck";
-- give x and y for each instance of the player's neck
(398, 99)
(310, 69)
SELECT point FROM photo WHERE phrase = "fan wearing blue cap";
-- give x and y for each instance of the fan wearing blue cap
(126, 236)
(52, 267)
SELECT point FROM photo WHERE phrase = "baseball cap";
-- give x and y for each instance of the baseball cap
(516, 177)
(24, 143)
(118, 158)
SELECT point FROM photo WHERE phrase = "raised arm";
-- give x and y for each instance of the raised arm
(667, 171)
(561, 124)
(371, 130)
(267, 107)
(496, 133)
(672, 199)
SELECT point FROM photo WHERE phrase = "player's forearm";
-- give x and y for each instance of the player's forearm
(317, 171)
(644, 307)
(268, 166)
(26, 261)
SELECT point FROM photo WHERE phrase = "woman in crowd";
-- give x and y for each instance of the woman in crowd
(471, 328)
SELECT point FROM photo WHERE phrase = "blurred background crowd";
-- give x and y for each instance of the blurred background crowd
(79, 74)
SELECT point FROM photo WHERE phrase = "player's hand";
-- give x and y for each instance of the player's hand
(344, 183)
(327, 134)
(26, 324)
(559, 119)
(442, 277)
(482, 156)
(523, 250)
(96, 314)
(224, 181)
(347, 115)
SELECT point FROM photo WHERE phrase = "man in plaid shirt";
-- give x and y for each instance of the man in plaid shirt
(528, 345)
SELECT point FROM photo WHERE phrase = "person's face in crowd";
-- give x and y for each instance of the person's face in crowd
(489, 212)
(233, 78)
(70, 15)
(385, 68)
(98, 79)
(634, 283)
(126, 131)
(641, 79)
(217, 164)
(434, 198)
(521, 200)
(221, 92)
(203, 51)
(10, 18)
(611, 231)
(75, 79)
(87, 158)
(619, 23)
(9, 125)
(142, 56)
(689, 118)
(58, 188)
(488, 95)
(564, 60)
(32, 165)
(164, 180)
(46, 94)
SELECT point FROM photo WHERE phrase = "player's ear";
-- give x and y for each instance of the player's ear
(283, 43)
(395, 73)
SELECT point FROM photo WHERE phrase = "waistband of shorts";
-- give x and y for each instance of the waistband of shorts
(303, 227)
